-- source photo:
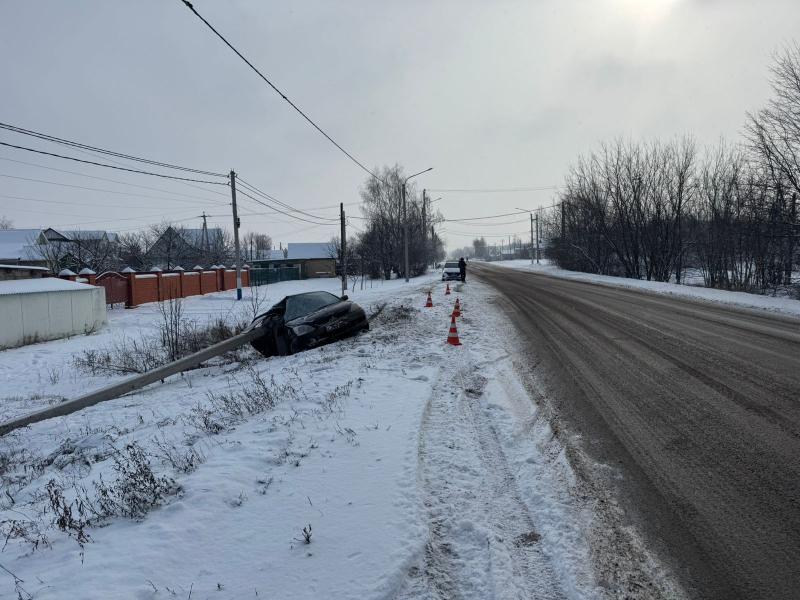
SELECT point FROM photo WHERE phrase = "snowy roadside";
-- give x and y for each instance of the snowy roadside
(34, 376)
(420, 470)
(779, 305)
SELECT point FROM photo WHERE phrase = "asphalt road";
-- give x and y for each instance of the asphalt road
(699, 407)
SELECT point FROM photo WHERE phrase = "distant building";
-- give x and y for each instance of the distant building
(20, 247)
(77, 236)
(312, 259)
(180, 246)
(275, 255)
(76, 249)
(18, 271)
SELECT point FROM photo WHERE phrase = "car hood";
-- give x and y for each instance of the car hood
(322, 314)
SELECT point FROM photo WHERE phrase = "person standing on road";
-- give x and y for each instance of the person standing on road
(462, 267)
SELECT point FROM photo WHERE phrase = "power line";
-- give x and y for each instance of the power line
(519, 212)
(144, 187)
(186, 183)
(93, 189)
(115, 219)
(181, 220)
(306, 228)
(494, 190)
(106, 165)
(255, 190)
(57, 140)
(277, 210)
(472, 224)
(272, 219)
(491, 235)
(279, 92)
(254, 199)
(273, 212)
(69, 203)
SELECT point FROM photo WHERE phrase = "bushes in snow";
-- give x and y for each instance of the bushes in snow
(73, 508)
(224, 410)
(177, 337)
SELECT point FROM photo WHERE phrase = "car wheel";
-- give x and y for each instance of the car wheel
(295, 347)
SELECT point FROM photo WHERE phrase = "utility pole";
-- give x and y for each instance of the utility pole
(205, 234)
(405, 233)
(343, 246)
(787, 276)
(238, 262)
(405, 219)
(424, 234)
(537, 238)
(531, 252)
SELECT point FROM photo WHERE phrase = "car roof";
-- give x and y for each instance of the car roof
(312, 292)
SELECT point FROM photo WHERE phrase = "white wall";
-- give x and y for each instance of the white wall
(38, 316)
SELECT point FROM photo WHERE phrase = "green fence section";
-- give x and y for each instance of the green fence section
(267, 276)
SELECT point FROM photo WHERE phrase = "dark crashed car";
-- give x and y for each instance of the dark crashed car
(305, 321)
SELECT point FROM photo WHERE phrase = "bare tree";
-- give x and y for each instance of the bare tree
(355, 262)
(55, 254)
(220, 247)
(382, 241)
(93, 250)
(479, 247)
(256, 246)
(165, 246)
(6, 223)
(132, 248)
(774, 137)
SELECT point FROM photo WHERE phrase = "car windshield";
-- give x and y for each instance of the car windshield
(451, 265)
(304, 304)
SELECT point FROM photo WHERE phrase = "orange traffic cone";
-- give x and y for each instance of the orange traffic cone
(452, 336)
(429, 303)
(456, 309)
(447, 291)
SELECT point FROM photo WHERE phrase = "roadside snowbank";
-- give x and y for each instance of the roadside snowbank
(695, 292)
(421, 469)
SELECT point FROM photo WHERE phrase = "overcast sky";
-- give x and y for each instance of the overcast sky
(491, 94)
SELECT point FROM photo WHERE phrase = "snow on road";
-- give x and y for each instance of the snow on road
(694, 290)
(423, 470)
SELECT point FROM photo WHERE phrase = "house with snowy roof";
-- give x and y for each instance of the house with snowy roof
(76, 249)
(20, 247)
(313, 259)
(179, 246)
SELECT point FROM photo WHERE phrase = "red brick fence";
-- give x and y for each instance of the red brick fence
(135, 288)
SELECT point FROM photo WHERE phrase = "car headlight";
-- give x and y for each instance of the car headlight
(302, 329)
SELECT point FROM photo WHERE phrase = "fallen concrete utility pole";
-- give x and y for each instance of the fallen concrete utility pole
(132, 383)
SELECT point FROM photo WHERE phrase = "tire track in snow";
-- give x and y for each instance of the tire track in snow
(482, 539)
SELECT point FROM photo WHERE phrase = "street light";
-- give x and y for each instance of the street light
(537, 234)
(405, 219)
(425, 202)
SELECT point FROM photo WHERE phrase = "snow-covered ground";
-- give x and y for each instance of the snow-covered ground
(423, 470)
(694, 291)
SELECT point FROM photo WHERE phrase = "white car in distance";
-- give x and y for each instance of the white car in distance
(451, 272)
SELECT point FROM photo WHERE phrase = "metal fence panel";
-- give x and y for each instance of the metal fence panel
(267, 276)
